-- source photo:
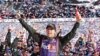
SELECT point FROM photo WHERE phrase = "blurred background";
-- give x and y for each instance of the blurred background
(31, 9)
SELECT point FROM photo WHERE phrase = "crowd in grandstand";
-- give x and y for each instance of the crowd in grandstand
(44, 9)
(82, 47)
(86, 45)
(14, 38)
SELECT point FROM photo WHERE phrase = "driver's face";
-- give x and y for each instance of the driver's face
(50, 32)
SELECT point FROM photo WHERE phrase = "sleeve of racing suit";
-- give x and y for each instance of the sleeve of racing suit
(31, 31)
(70, 35)
(26, 26)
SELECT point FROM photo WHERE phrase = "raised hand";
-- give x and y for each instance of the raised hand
(18, 16)
(77, 15)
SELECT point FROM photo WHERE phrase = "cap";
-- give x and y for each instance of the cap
(51, 26)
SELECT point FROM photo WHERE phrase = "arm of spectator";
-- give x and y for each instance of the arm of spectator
(91, 38)
(72, 33)
(8, 37)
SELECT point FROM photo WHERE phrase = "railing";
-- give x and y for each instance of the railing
(49, 19)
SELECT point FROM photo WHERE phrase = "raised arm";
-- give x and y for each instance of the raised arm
(31, 31)
(27, 27)
(8, 38)
(72, 33)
